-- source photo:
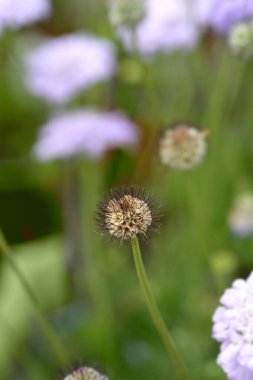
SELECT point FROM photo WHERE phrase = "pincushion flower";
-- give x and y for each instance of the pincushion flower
(182, 147)
(241, 216)
(63, 66)
(16, 13)
(223, 14)
(167, 26)
(233, 327)
(85, 373)
(87, 132)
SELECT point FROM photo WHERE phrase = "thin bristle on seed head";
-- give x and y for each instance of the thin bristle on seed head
(126, 212)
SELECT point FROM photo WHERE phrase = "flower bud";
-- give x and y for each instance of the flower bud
(182, 147)
(126, 12)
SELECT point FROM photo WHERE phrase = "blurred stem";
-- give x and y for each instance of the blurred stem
(96, 284)
(49, 333)
(155, 313)
(154, 103)
(73, 235)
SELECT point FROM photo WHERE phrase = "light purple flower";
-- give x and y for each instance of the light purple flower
(62, 66)
(16, 13)
(87, 132)
(223, 14)
(168, 26)
(233, 327)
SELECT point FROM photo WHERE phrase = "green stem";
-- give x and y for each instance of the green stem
(47, 330)
(155, 313)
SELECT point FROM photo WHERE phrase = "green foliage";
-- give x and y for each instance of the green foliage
(103, 320)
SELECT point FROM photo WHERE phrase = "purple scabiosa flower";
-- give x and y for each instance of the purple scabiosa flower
(167, 26)
(87, 132)
(223, 14)
(62, 66)
(241, 216)
(233, 327)
(16, 13)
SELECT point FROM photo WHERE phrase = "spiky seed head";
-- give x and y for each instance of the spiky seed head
(85, 373)
(183, 147)
(126, 213)
(126, 12)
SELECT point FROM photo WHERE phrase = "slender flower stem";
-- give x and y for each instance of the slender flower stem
(47, 330)
(155, 313)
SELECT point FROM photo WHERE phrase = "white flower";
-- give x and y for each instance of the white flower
(168, 25)
(182, 147)
(87, 132)
(241, 217)
(233, 327)
(240, 38)
(62, 66)
(16, 13)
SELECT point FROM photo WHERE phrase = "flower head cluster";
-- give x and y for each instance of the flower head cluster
(182, 147)
(125, 12)
(240, 38)
(167, 26)
(241, 217)
(16, 13)
(85, 373)
(126, 213)
(62, 66)
(233, 327)
(87, 132)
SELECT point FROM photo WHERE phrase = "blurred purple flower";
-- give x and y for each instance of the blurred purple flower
(87, 132)
(233, 327)
(223, 14)
(168, 26)
(62, 66)
(16, 13)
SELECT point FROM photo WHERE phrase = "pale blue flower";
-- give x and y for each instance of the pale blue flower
(16, 13)
(88, 132)
(167, 26)
(233, 327)
(62, 66)
(223, 14)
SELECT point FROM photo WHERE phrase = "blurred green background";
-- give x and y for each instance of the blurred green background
(102, 318)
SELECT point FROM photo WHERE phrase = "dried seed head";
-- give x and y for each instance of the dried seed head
(183, 147)
(126, 213)
(85, 373)
(126, 12)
